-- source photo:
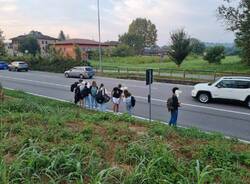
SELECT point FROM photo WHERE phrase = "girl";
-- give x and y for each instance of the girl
(127, 100)
(93, 93)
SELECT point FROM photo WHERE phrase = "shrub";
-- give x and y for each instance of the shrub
(215, 54)
(122, 51)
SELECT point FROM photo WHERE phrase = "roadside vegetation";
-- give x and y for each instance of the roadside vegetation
(46, 141)
(192, 62)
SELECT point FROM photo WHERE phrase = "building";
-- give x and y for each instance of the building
(8, 48)
(43, 40)
(68, 47)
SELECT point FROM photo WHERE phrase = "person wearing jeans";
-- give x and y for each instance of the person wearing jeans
(93, 93)
(175, 105)
(127, 100)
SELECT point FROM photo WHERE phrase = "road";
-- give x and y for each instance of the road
(230, 119)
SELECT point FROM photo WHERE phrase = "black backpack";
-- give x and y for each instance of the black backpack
(133, 101)
(170, 104)
(85, 92)
(99, 97)
(73, 86)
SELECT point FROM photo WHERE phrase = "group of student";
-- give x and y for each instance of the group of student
(93, 97)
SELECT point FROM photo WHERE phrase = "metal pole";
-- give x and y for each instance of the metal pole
(150, 108)
(99, 33)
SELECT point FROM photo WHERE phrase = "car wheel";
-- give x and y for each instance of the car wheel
(66, 75)
(90, 77)
(81, 76)
(248, 102)
(204, 97)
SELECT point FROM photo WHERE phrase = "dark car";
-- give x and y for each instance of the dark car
(18, 66)
(3, 65)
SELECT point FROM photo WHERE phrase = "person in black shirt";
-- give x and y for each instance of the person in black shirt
(174, 110)
(116, 98)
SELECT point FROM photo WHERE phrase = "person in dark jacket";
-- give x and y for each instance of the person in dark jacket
(175, 106)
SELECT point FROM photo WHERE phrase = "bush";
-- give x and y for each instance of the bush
(122, 51)
(215, 54)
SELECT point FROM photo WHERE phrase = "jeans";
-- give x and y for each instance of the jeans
(93, 102)
(129, 108)
(87, 101)
(174, 116)
(102, 107)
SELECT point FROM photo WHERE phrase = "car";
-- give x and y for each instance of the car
(80, 72)
(18, 66)
(3, 65)
(228, 88)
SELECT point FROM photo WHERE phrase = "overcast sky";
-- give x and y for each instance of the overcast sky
(78, 18)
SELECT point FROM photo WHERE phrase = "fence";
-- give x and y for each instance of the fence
(165, 73)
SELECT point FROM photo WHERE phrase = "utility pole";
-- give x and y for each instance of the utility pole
(99, 33)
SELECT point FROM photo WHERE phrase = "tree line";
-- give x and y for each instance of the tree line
(142, 33)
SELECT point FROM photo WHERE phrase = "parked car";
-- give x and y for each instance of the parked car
(18, 66)
(80, 72)
(229, 88)
(3, 65)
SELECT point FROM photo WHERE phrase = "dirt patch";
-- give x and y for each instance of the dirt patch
(139, 130)
(75, 126)
(9, 158)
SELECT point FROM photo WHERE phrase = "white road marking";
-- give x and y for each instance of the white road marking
(139, 97)
(138, 117)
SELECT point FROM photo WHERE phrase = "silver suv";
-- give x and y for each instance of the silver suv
(80, 72)
(18, 66)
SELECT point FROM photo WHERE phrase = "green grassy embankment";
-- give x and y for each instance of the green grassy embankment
(229, 64)
(46, 141)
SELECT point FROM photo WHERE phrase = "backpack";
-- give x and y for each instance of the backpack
(85, 92)
(170, 104)
(73, 86)
(133, 101)
(99, 97)
(93, 91)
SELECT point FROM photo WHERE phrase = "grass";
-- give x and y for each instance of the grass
(229, 64)
(46, 141)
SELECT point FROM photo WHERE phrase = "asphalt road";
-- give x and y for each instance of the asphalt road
(231, 119)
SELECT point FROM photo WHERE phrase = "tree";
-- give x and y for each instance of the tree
(180, 46)
(78, 53)
(146, 29)
(237, 19)
(2, 48)
(122, 51)
(132, 40)
(215, 54)
(61, 36)
(197, 46)
(29, 44)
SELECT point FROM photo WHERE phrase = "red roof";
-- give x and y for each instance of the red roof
(79, 42)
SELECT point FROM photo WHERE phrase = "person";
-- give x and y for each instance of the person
(128, 101)
(173, 105)
(85, 92)
(93, 93)
(116, 98)
(80, 87)
(100, 98)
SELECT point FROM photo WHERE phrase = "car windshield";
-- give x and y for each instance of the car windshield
(88, 69)
(21, 63)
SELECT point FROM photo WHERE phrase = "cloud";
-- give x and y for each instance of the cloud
(78, 18)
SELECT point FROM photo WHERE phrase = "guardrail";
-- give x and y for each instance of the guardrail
(166, 73)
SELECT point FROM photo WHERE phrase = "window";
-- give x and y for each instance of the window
(46, 42)
(42, 42)
(242, 84)
(226, 84)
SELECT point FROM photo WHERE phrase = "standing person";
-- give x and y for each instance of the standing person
(173, 104)
(78, 92)
(129, 101)
(86, 95)
(116, 97)
(100, 98)
(93, 93)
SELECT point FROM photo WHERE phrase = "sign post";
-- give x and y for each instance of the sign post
(149, 81)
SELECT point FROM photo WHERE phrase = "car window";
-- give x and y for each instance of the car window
(88, 69)
(226, 84)
(242, 84)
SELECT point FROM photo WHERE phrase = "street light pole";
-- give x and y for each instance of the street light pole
(99, 32)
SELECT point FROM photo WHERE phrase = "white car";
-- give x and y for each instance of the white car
(230, 88)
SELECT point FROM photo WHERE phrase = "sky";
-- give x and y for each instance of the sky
(78, 18)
